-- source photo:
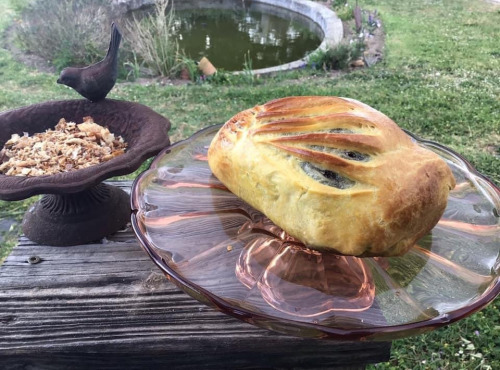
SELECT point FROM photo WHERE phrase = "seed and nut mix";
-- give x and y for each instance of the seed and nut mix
(68, 147)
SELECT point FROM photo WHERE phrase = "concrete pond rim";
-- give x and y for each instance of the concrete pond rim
(329, 23)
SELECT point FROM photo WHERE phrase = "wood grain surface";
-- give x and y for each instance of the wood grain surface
(107, 306)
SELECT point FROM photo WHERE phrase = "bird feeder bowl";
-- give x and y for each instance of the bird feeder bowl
(76, 206)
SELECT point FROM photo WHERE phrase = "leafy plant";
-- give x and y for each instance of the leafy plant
(192, 69)
(221, 77)
(338, 3)
(343, 9)
(153, 40)
(337, 58)
(247, 69)
(133, 68)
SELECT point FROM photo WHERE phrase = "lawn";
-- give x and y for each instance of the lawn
(440, 78)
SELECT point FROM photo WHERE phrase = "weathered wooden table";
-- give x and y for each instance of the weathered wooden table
(107, 306)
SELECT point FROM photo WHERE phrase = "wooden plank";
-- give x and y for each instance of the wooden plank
(106, 305)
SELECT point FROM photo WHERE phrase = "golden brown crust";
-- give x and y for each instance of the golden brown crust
(334, 173)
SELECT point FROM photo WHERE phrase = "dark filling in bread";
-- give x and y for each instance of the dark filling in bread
(356, 156)
(340, 130)
(326, 177)
(346, 154)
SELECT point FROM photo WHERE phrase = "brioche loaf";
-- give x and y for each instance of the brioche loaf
(334, 173)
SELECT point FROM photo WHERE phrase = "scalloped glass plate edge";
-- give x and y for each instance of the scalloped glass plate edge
(304, 329)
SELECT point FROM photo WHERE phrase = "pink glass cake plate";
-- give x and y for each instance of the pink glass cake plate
(226, 254)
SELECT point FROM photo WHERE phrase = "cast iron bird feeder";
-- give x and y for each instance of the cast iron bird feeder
(77, 207)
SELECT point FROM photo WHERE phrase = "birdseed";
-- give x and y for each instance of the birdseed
(68, 147)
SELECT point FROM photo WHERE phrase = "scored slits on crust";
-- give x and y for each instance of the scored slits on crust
(297, 106)
(342, 120)
(309, 139)
(367, 144)
(354, 170)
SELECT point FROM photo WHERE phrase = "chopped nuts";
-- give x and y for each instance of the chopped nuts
(68, 147)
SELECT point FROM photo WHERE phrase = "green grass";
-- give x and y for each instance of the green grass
(440, 79)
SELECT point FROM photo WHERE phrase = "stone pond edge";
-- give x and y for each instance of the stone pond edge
(323, 16)
(330, 24)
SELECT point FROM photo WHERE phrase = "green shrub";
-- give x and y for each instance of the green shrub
(19, 5)
(153, 41)
(67, 32)
(221, 77)
(245, 77)
(337, 58)
(338, 3)
(192, 69)
(343, 9)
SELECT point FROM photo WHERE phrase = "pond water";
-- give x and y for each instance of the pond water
(245, 34)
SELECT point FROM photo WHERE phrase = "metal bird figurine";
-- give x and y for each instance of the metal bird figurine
(95, 81)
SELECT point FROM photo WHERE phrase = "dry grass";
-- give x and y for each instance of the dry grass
(152, 40)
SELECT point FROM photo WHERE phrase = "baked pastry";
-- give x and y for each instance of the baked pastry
(334, 173)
